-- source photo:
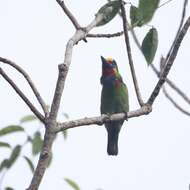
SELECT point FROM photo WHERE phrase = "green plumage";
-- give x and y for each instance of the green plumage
(114, 99)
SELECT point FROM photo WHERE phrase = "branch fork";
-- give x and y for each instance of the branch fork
(50, 118)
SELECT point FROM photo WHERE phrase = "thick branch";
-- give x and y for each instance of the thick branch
(69, 14)
(144, 110)
(169, 63)
(29, 80)
(43, 159)
(21, 94)
(139, 97)
(58, 91)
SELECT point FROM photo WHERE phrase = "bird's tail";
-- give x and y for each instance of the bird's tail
(112, 147)
(113, 130)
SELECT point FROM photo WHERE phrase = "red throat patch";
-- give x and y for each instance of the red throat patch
(108, 72)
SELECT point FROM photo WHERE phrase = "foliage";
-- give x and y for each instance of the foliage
(34, 139)
(72, 184)
(144, 12)
(108, 12)
(149, 45)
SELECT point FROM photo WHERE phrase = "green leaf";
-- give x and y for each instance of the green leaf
(10, 129)
(28, 118)
(37, 143)
(30, 164)
(108, 12)
(72, 184)
(4, 164)
(135, 16)
(147, 9)
(8, 162)
(9, 188)
(149, 45)
(14, 155)
(4, 144)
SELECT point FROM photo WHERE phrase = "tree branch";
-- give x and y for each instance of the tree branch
(177, 106)
(168, 81)
(29, 80)
(51, 123)
(21, 94)
(172, 85)
(43, 159)
(144, 110)
(179, 28)
(117, 34)
(169, 62)
(58, 91)
(69, 14)
(123, 14)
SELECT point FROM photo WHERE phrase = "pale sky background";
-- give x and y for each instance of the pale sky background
(154, 150)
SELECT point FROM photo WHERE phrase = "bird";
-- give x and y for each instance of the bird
(114, 99)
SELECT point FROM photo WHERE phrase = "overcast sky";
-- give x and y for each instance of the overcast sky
(154, 151)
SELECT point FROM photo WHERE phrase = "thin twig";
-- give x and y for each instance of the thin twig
(21, 94)
(168, 96)
(174, 102)
(170, 61)
(117, 34)
(29, 80)
(144, 110)
(172, 85)
(179, 28)
(164, 3)
(139, 97)
(69, 14)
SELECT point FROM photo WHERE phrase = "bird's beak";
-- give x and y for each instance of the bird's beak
(103, 59)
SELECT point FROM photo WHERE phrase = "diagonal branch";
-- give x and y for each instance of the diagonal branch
(29, 80)
(169, 62)
(168, 96)
(168, 81)
(43, 159)
(123, 13)
(21, 94)
(179, 28)
(69, 14)
(174, 102)
(172, 85)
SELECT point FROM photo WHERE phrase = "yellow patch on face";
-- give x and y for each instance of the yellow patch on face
(109, 60)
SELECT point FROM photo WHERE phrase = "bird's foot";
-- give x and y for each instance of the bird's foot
(126, 115)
